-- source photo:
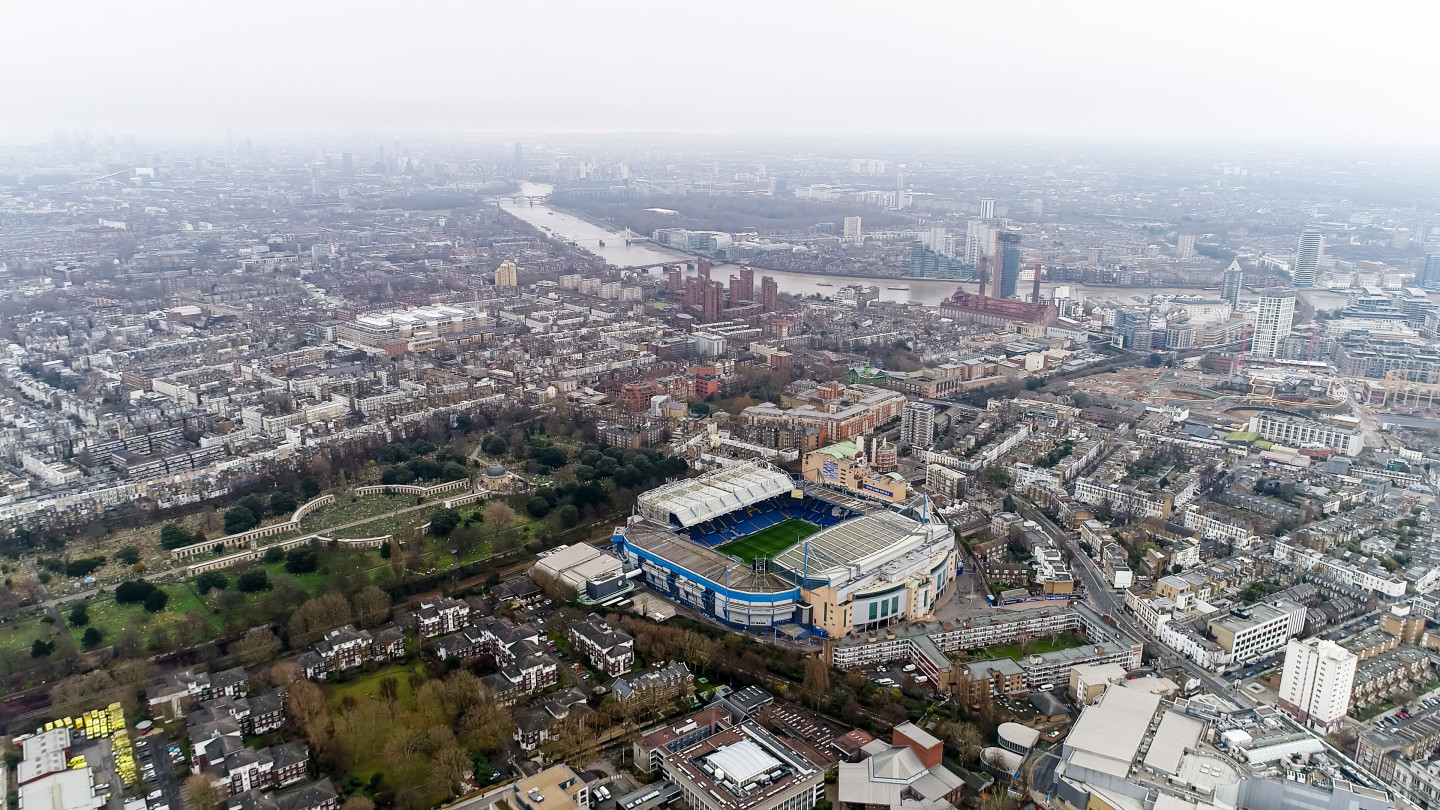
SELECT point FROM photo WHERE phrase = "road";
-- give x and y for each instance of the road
(1101, 597)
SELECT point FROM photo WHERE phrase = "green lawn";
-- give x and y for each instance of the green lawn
(112, 618)
(769, 542)
(365, 686)
(1038, 646)
(19, 632)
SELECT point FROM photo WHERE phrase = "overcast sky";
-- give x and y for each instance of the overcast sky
(1288, 72)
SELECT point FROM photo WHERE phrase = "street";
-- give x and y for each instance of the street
(1101, 597)
(157, 746)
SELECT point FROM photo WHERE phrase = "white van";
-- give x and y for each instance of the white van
(909, 667)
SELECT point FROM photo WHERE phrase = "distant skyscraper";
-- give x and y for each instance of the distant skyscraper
(1185, 246)
(747, 283)
(987, 208)
(519, 161)
(675, 279)
(852, 227)
(769, 294)
(1307, 258)
(1037, 208)
(1430, 272)
(348, 160)
(979, 241)
(1008, 258)
(1231, 283)
(702, 269)
(506, 276)
(1272, 323)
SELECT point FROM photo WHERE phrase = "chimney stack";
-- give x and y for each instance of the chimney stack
(1035, 296)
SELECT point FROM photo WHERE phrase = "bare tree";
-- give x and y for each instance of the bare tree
(372, 606)
(258, 646)
(201, 793)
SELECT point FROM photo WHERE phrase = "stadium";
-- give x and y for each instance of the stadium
(748, 546)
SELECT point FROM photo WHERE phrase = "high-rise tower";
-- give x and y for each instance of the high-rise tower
(1273, 321)
(1231, 283)
(1307, 258)
(1007, 248)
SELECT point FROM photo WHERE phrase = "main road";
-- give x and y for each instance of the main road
(1101, 597)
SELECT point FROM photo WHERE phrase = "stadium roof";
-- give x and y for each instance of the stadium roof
(696, 500)
(851, 543)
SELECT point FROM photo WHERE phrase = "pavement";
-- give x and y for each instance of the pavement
(1103, 598)
(165, 781)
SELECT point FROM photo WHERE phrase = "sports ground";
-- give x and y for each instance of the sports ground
(770, 541)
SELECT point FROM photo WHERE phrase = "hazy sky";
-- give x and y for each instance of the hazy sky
(1299, 72)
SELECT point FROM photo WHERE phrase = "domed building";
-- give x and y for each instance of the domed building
(497, 479)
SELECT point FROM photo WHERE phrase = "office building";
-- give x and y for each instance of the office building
(1185, 246)
(927, 262)
(979, 241)
(987, 208)
(917, 424)
(1318, 678)
(1007, 250)
(1231, 283)
(519, 161)
(1307, 258)
(1272, 323)
(769, 294)
(347, 161)
(742, 768)
(852, 228)
(506, 276)
(1429, 275)
(1245, 634)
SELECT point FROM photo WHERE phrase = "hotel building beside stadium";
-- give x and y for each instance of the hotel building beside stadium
(869, 565)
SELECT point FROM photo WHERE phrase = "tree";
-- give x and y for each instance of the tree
(997, 476)
(817, 679)
(156, 600)
(91, 638)
(310, 488)
(212, 581)
(397, 475)
(282, 503)
(40, 649)
(316, 616)
(537, 507)
(79, 616)
(173, 536)
(201, 793)
(240, 519)
(128, 555)
(452, 471)
(569, 515)
(965, 737)
(305, 702)
(498, 516)
(133, 591)
(256, 579)
(258, 646)
(493, 445)
(444, 522)
(372, 606)
(301, 560)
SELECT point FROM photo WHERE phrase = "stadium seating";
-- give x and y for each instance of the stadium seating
(725, 528)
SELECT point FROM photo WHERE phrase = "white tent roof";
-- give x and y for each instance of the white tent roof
(696, 500)
(743, 761)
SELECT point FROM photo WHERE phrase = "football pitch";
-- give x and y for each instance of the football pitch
(769, 542)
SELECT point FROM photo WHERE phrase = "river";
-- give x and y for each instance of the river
(648, 257)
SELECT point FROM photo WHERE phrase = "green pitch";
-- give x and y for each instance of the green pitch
(769, 542)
